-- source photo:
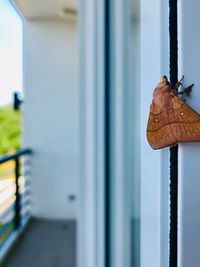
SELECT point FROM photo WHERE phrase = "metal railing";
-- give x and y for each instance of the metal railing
(14, 193)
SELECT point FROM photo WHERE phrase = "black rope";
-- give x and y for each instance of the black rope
(107, 136)
(173, 233)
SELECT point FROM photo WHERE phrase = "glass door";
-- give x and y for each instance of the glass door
(139, 175)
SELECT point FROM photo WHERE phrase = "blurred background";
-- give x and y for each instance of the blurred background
(39, 136)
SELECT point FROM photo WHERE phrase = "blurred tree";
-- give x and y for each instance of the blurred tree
(10, 129)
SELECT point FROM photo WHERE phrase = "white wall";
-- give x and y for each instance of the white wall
(51, 115)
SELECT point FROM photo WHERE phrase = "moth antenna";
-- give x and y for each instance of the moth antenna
(188, 90)
(178, 84)
(182, 78)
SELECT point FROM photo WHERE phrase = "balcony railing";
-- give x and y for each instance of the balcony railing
(15, 197)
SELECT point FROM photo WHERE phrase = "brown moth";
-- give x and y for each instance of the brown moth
(171, 120)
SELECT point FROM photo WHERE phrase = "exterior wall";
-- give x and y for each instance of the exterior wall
(51, 115)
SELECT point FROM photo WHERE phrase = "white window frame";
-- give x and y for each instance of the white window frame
(91, 208)
(189, 156)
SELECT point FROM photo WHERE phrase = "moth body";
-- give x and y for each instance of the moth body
(171, 120)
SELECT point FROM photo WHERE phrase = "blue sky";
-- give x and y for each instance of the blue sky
(10, 52)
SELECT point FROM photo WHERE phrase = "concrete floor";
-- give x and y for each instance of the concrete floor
(45, 244)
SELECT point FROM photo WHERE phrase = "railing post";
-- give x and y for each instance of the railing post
(17, 194)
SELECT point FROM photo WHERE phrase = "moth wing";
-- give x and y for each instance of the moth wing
(185, 122)
(179, 123)
(159, 133)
